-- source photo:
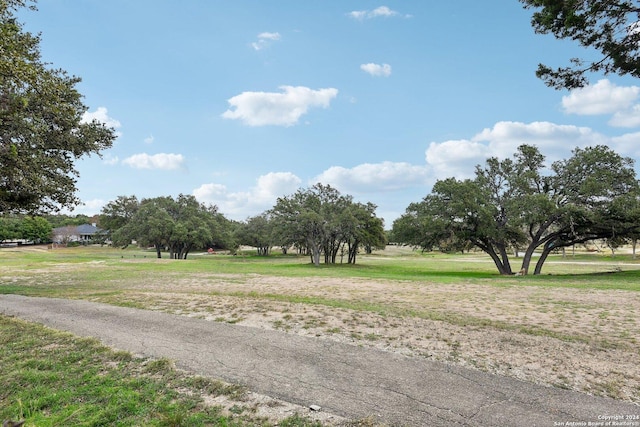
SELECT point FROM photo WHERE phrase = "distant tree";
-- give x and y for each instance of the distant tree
(42, 131)
(35, 229)
(150, 226)
(611, 27)
(298, 221)
(118, 213)
(322, 221)
(511, 203)
(61, 220)
(257, 231)
(9, 228)
(179, 225)
(362, 229)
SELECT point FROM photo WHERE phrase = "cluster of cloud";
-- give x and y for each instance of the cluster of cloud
(280, 109)
(381, 11)
(606, 98)
(161, 161)
(265, 40)
(240, 205)
(376, 70)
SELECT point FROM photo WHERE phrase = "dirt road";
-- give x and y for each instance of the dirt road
(342, 379)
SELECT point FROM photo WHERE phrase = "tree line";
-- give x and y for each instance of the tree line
(315, 221)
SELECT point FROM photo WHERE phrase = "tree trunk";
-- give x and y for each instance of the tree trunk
(506, 265)
(634, 242)
(314, 250)
(543, 257)
(158, 251)
(494, 256)
(526, 261)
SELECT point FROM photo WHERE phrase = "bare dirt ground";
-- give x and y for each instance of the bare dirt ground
(583, 340)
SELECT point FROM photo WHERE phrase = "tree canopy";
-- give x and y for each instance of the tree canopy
(179, 225)
(611, 27)
(519, 203)
(323, 221)
(42, 131)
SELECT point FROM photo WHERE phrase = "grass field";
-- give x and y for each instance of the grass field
(575, 327)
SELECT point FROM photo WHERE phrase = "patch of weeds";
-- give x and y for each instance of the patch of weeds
(313, 322)
(372, 336)
(335, 330)
(216, 388)
(122, 356)
(160, 366)
(609, 388)
(235, 320)
(365, 422)
(237, 409)
(298, 420)
(279, 324)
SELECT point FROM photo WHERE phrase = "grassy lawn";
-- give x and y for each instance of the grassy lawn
(586, 307)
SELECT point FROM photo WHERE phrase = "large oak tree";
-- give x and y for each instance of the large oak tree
(42, 132)
(518, 204)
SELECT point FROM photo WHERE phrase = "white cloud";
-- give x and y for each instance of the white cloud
(101, 115)
(162, 161)
(383, 70)
(629, 118)
(149, 139)
(455, 158)
(279, 109)
(458, 158)
(374, 177)
(627, 145)
(110, 160)
(240, 205)
(603, 97)
(265, 39)
(381, 11)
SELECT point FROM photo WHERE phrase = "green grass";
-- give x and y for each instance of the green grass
(51, 378)
(77, 269)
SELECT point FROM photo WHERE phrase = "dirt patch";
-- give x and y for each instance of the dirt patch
(583, 340)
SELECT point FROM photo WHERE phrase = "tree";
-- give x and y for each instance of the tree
(363, 228)
(35, 229)
(119, 212)
(511, 204)
(257, 231)
(178, 225)
(42, 131)
(323, 221)
(149, 227)
(9, 228)
(297, 221)
(609, 26)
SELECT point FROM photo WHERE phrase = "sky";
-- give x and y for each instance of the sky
(241, 102)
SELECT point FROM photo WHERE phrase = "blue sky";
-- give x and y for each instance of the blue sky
(240, 102)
